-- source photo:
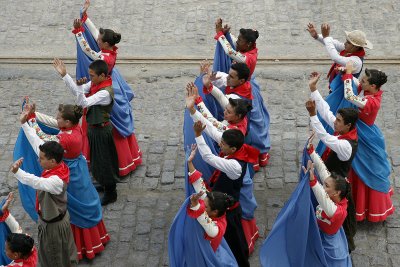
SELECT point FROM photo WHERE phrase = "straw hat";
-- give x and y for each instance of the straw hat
(358, 38)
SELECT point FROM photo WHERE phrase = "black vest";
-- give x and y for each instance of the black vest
(98, 114)
(334, 164)
(232, 187)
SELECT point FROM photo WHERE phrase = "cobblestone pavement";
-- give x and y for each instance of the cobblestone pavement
(139, 221)
(185, 28)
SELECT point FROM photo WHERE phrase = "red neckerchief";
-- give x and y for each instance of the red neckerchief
(64, 129)
(31, 261)
(377, 94)
(241, 125)
(333, 72)
(351, 135)
(243, 90)
(246, 153)
(113, 51)
(94, 88)
(251, 59)
(61, 170)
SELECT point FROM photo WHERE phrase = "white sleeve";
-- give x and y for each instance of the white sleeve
(209, 226)
(74, 88)
(85, 47)
(342, 147)
(202, 108)
(210, 129)
(324, 200)
(199, 185)
(13, 224)
(320, 39)
(231, 167)
(33, 139)
(222, 79)
(220, 96)
(92, 28)
(332, 47)
(53, 184)
(47, 120)
(360, 102)
(323, 108)
(320, 166)
(230, 51)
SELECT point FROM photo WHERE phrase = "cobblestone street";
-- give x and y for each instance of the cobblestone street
(148, 199)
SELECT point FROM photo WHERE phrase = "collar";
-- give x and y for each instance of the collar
(246, 153)
(243, 90)
(350, 135)
(94, 88)
(360, 53)
(61, 170)
(113, 51)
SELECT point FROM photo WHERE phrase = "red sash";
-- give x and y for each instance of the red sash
(243, 90)
(94, 88)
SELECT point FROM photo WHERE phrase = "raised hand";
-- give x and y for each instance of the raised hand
(325, 29)
(191, 95)
(314, 78)
(16, 165)
(218, 25)
(310, 106)
(59, 67)
(226, 29)
(310, 168)
(192, 153)
(77, 23)
(85, 6)
(311, 29)
(81, 81)
(198, 128)
(205, 67)
(349, 67)
(194, 199)
(10, 197)
(310, 139)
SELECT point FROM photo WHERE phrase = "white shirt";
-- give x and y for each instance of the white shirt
(101, 98)
(53, 184)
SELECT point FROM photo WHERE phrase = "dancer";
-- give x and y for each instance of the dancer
(56, 241)
(371, 184)
(83, 205)
(21, 249)
(94, 44)
(104, 159)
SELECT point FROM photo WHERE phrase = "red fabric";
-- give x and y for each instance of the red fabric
(313, 182)
(264, 159)
(251, 59)
(370, 204)
(198, 100)
(246, 153)
(234, 206)
(5, 215)
(31, 261)
(333, 71)
(110, 57)
(90, 241)
(129, 154)
(208, 90)
(250, 230)
(243, 90)
(219, 34)
(196, 213)
(71, 142)
(78, 30)
(94, 88)
(351, 135)
(347, 77)
(195, 176)
(84, 17)
(310, 149)
(241, 125)
(336, 221)
(369, 113)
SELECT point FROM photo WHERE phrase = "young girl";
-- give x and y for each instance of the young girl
(20, 248)
(84, 206)
(129, 154)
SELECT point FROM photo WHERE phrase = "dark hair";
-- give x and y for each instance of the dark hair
(20, 243)
(242, 70)
(233, 138)
(52, 150)
(240, 106)
(110, 36)
(72, 113)
(219, 201)
(376, 77)
(99, 67)
(249, 35)
(350, 223)
(349, 115)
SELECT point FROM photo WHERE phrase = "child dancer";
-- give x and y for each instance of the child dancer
(21, 249)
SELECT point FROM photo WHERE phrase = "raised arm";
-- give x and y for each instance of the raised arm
(229, 50)
(46, 119)
(78, 29)
(92, 28)
(197, 210)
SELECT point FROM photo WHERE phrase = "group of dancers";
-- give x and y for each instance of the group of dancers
(53, 156)
(343, 180)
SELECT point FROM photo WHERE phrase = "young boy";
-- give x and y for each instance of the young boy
(104, 158)
(56, 242)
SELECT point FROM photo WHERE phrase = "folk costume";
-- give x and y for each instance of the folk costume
(8, 225)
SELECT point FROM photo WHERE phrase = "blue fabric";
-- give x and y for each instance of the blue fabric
(121, 114)
(4, 232)
(188, 247)
(295, 238)
(83, 200)
(370, 162)
(247, 200)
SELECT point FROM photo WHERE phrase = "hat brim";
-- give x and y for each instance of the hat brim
(367, 44)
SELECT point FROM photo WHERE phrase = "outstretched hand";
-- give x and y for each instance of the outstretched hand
(194, 198)
(208, 78)
(85, 6)
(59, 67)
(325, 30)
(16, 165)
(314, 78)
(218, 25)
(10, 197)
(198, 128)
(311, 29)
(205, 66)
(191, 95)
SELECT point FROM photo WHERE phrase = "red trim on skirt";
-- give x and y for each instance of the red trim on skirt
(250, 230)
(90, 241)
(129, 154)
(370, 204)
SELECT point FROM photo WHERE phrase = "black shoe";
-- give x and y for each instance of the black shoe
(109, 197)
(99, 187)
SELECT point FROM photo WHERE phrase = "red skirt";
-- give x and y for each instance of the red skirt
(370, 204)
(129, 154)
(90, 241)
(250, 230)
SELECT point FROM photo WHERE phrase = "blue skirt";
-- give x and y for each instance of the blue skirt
(335, 249)
(4, 232)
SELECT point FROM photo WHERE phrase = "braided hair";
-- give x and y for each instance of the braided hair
(219, 201)
(20, 243)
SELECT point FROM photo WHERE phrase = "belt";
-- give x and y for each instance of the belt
(100, 125)
(56, 219)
